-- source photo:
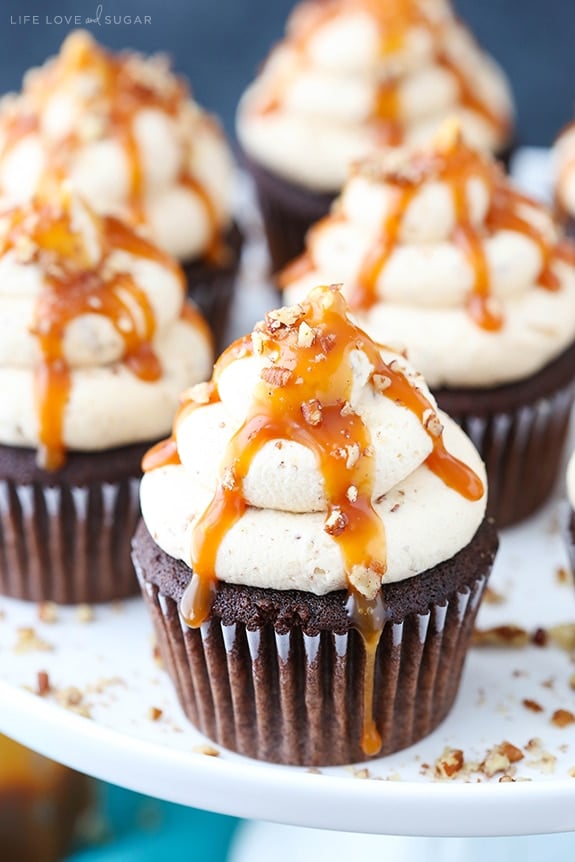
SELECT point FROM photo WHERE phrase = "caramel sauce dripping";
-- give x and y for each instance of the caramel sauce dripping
(303, 395)
(455, 164)
(393, 19)
(115, 104)
(75, 285)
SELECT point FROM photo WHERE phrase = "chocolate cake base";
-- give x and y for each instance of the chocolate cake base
(65, 535)
(279, 675)
(211, 285)
(288, 211)
(520, 431)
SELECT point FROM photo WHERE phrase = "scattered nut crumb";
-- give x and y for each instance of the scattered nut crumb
(499, 758)
(492, 597)
(48, 612)
(572, 681)
(276, 376)
(450, 763)
(539, 637)
(208, 750)
(85, 613)
(572, 772)
(336, 522)
(313, 770)
(431, 423)
(29, 641)
(312, 412)
(563, 636)
(42, 683)
(505, 778)
(381, 382)
(562, 718)
(500, 636)
(563, 576)
(154, 713)
(361, 773)
(305, 335)
(532, 705)
(72, 698)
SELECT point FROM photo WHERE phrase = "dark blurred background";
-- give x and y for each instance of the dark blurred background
(218, 45)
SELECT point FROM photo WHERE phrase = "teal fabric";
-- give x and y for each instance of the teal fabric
(129, 827)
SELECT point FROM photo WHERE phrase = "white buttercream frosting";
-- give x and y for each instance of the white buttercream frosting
(126, 132)
(352, 74)
(282, 539)
(439, 227)
(88, 305)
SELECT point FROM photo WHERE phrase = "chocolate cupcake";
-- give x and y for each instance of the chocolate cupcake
(350, 76)
(126, 132)
(440, 255)
(96, 342)
(314, 547)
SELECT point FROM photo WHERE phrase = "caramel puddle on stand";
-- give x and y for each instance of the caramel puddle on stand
(297, 400)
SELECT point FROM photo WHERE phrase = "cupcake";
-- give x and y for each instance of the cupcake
(314, 546)
(126, 132)
(96, 342)
(563, 161)
(349, 76)
(41, 805)
(440, 255)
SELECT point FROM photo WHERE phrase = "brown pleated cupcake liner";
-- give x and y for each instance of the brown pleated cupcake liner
(297, 696)
(522, 450)
(211, 286)
(288, 211)
(67, 544)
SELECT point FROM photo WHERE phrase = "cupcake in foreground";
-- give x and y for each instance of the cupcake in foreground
(96, 342)
(352, 75)
(320, 528)
(440, 255)
(126, 132)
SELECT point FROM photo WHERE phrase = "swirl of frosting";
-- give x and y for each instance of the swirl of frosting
(125, 130)
(440, 255)
(96, 340)
(351, 75)
(313, 460)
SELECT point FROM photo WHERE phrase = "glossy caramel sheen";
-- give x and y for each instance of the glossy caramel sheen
(121, 91)
(304, 395)
(74, 285)
(394, 20)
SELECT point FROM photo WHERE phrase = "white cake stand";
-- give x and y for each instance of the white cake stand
(109, 660)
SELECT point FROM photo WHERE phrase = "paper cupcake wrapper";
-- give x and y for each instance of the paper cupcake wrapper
(68, 544)
(522, 451)
(211, 287)
(298, 699)
(288, 211)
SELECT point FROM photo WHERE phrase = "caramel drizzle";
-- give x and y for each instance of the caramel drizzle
(303, 396)
(394, 19)
(74, 286)
(456, 166)
(117, 102)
